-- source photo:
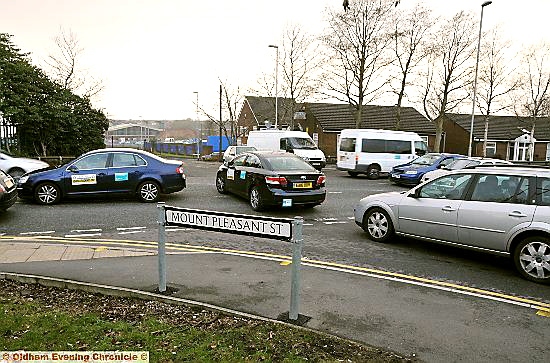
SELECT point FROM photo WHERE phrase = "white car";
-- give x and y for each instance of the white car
(232, 151)
(461, 164)
(16, 167)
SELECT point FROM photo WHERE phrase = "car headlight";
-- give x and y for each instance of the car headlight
(411, 172)
(23, 179)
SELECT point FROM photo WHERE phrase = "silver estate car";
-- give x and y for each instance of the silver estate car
(502, 210)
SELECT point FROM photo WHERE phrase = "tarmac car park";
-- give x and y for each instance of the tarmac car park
(272, 179)
(105, 172)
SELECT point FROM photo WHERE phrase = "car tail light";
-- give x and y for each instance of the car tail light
(321, 180)
(276, 181)
(179, 169)
(356, 158)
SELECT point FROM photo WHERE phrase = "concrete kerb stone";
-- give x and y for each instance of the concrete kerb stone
(144, 295)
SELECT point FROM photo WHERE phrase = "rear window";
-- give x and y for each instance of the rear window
(543, 191)
(288, 163)
(347, 144)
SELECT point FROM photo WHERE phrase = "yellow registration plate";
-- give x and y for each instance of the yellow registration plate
(8, 182)
(303, 185)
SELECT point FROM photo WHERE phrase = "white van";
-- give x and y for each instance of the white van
(374, 152)
(297, 142)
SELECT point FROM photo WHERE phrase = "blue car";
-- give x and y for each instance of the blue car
(105, 172)
(411, 173)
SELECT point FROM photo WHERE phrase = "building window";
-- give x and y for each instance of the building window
(491, 149)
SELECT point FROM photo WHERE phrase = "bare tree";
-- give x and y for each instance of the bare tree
(534, 99)
(358, 39)
(300, 63)
(230, 99)
(496, 79)
(411, 31)
(65, 66)
(449, 70)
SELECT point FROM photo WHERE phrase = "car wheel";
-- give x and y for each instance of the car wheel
(256, 201)
(148, 191)
(532, 259)
(353, 174)
(47, 193)
(220, 184)
(373, 172)
(378, 225)
(16, 173)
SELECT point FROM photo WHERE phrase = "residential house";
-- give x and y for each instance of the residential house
(508, 137)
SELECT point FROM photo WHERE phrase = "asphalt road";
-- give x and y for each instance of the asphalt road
(330, 233)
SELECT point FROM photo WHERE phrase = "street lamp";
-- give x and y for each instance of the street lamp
(475, 79)
(200, 135)
(276, 82)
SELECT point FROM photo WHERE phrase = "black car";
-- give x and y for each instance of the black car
(269, 179)
(105, 172)
(8, 191)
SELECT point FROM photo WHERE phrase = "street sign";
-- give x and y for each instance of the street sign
(259, 226)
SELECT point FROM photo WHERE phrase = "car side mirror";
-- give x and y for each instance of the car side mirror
(415, 193)
(73, 169)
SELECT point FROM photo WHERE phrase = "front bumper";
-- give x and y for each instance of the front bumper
(8, 199)
(407, 179)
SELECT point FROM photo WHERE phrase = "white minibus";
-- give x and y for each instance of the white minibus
(374, 152)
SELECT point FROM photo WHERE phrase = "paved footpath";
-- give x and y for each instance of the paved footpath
(434, 322)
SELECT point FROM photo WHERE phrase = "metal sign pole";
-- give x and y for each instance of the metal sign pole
(297, 242)
(162, 247)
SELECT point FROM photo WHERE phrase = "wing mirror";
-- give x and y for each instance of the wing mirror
(73, 169)
(415, 193)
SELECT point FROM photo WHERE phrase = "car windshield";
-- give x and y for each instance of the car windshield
(428, 159)
(288, 163)
(461, 164)
(243, 149)
(301, 143)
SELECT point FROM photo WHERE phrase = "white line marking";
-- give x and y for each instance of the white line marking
(131, 232)
(129, 228)
(83, 235)
(334, 192)
(176, 229)
(32, 233)
(339, 222)
(85, 230)
(351, 217)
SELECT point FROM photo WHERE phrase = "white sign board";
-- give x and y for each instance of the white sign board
(276, 228)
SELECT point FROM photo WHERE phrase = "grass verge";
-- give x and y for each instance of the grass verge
(38, 318)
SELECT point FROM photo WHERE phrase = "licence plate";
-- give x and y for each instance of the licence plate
(302, 185)
(8, 182)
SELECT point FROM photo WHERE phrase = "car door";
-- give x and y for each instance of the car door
(494, 211)
(233, 174)
(431, 210)
(125, 172)
(88, 174)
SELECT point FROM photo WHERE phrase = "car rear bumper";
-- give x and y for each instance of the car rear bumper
(281, 197)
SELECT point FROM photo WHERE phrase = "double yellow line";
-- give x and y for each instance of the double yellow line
(543, 309)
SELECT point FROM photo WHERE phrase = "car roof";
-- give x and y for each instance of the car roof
(507, 169)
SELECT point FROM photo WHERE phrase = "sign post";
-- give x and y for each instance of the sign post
(297, 242)
(284, 229)
(162, 247)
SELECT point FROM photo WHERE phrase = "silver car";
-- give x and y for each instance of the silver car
(467, 162)
(16, 167)
(501, 210)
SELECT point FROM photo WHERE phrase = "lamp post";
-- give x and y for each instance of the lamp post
(475, 79)
(199, 128)
(276, 82)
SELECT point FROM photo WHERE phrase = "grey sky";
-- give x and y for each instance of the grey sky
(153, 54)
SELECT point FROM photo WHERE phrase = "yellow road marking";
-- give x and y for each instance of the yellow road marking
(285, 263)
(544, 313)
(99, 249)
(543, 307)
